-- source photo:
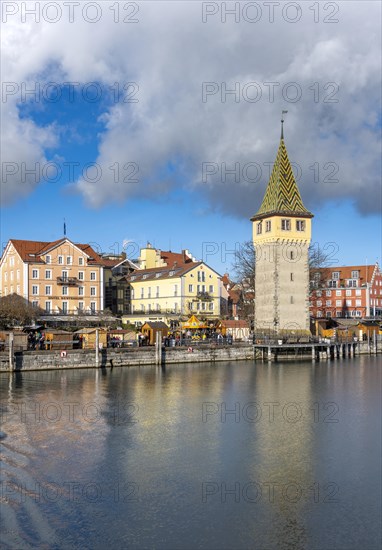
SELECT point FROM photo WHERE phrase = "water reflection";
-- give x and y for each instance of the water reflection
(232, 455)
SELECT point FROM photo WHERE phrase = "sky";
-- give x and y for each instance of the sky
(159, 121)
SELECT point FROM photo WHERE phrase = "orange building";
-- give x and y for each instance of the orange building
(59, 277)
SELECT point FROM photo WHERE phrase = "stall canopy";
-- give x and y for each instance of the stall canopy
(194, 323)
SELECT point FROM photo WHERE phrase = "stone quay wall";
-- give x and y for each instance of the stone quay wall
(50, 360)
(72, 359)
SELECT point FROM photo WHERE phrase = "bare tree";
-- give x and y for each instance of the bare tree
(15, 309)
(244, 265)
(318, 259)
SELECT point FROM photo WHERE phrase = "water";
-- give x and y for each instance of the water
(151, 458)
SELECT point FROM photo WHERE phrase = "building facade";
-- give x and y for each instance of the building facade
(59, 277)
(117, 290)
(281, 236)
(347, 291)
(170, 286)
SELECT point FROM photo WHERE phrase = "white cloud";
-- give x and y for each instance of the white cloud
(169, 53)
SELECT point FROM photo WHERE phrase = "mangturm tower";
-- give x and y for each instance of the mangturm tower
(281, 236)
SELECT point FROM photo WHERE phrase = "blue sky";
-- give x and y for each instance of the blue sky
(161, 140)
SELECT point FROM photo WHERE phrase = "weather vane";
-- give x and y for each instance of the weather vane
(282, 123)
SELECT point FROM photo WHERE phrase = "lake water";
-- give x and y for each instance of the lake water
(224, 456)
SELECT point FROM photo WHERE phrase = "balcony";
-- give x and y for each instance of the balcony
(67, 281)
(203, 297)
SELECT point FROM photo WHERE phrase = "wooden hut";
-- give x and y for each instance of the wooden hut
(367, 329)
(20, 340)
(58, 339)
(239, 330)
(150, 330)
(122, 337)
(87, 337)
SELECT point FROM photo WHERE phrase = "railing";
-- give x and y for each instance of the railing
(68, 281)
(77, 312)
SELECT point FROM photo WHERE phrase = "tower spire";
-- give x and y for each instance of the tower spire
(282, 123)
(282, 196)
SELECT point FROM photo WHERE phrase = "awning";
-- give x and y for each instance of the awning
(194, 324)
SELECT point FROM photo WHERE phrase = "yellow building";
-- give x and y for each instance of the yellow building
(59, 277)
(169, 286)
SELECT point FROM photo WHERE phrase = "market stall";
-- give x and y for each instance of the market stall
(150, 329)
(87, 337)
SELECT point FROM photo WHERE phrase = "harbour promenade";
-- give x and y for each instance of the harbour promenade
(190, 352)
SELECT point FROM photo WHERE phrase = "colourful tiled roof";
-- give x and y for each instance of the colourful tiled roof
(282, 195)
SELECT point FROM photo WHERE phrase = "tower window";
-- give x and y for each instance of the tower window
(291, 276)
(259, 228)
(300, 225)
(285, 225)
(291, 254)
(291, 300)
(268, 225)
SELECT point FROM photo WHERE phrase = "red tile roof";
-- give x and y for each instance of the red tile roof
(240, 323)
(235, 296)
(31, 251)
(175, 257)
(365, 272)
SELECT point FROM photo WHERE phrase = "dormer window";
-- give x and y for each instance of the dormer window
(285, 225)
(158, 275)
(335, 275)
(355, 274)
(145, 276)
(171, 273)
(259, 229)
(268, 225)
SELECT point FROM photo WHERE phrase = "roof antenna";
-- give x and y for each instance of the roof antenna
(282, 123)
(64, 228)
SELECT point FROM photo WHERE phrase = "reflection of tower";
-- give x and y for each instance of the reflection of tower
(284, 446)
(281, 236)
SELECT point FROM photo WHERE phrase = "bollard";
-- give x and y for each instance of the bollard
(158, 348)
(97, 348)
(11, 352)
